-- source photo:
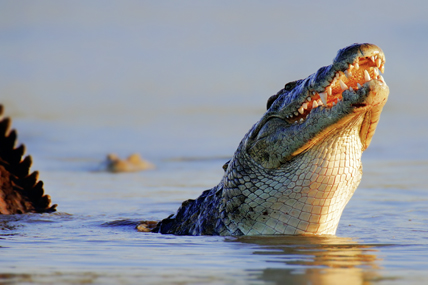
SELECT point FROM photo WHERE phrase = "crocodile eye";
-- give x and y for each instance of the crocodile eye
(271, 100)
(290, 85)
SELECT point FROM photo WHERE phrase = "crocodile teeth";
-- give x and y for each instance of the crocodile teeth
(343, 85)
(350, 66)
(320, 103)
(376, 73)
(351, 89)
(373, 59)
(301, 110)
(314, 104)
(382, 68)
(378, 62)
(323, 97)
(347, 73)
(305, 105)
(309, 99)
(366, 75)
(328, 90)
(356, 65)
(359, 85)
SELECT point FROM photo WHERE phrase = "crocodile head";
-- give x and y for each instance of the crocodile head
(302, 160)
(308, 111)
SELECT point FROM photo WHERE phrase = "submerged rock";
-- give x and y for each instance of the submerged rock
(132, 163)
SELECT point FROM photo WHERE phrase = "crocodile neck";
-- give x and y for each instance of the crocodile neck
(305, 196)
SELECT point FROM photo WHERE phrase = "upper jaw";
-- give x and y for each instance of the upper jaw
(353, 67)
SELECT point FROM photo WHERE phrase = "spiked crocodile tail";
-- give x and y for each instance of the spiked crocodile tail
(20, 191)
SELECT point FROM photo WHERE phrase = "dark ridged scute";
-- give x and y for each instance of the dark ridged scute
(20, 191)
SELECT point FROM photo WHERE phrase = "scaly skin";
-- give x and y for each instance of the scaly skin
(20, 191)
(297, 168)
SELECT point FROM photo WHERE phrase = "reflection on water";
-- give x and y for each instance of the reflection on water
(316, 260)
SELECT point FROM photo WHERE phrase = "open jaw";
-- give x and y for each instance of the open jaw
(359, 72)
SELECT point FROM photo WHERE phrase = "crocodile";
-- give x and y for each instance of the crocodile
(132, 163)
(20, 191)
(296, 169)
(293, 172)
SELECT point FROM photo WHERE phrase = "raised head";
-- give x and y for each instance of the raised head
(297, 168)
(307, 111)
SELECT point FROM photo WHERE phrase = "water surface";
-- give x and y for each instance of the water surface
(181, 83)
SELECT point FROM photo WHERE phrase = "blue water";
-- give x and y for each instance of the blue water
(181, 83)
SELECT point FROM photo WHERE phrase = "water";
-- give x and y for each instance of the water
(181, 83)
